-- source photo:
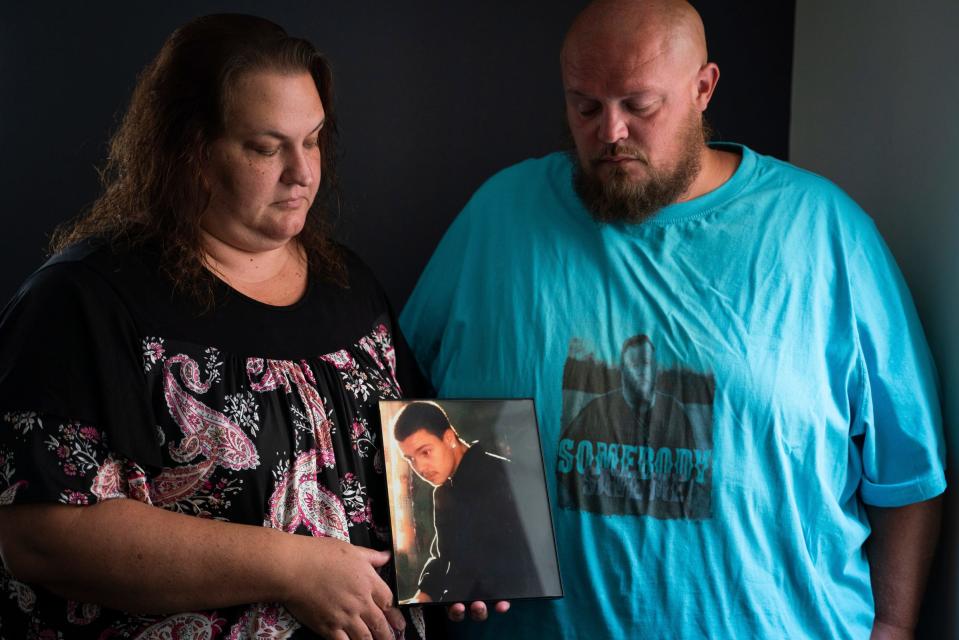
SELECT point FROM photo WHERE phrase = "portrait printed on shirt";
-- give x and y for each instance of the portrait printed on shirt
(468, 503)
(637, 437)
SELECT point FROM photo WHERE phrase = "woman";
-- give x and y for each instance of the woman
(201, 348)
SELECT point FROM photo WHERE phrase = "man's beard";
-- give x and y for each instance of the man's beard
(620, 199)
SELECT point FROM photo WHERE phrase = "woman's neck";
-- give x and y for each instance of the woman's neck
(276, 276)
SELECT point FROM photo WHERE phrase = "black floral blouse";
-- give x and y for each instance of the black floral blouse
(114, 386)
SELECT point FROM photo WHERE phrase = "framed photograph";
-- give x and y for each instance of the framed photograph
(468, 501)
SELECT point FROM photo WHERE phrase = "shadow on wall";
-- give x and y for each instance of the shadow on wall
(873, 110)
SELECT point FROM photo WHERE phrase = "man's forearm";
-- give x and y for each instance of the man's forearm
(900, 551)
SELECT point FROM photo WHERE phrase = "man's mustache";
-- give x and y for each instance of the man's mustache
(618, 150)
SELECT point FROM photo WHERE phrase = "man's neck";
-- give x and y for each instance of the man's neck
(458, 453)
(640, 406)
(717, 166)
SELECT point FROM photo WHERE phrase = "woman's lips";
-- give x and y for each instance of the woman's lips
(291, 203)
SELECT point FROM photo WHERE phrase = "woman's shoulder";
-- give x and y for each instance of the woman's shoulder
(79, 272)
(357, 270)
(360, 282)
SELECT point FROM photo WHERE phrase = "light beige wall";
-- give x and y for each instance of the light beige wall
(875, 107)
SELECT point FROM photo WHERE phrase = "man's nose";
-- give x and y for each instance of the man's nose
(612, 126)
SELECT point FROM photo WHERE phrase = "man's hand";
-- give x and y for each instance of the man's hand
(478, 610)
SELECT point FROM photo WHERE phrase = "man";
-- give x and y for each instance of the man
(825, 447)
(479, 549)
(636, 449)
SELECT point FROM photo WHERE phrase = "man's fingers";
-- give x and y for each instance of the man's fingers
(456, 612)
(478, 610)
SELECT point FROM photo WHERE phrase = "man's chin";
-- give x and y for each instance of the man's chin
(613, 197)
(630, 174)
(631, 194)
(623, 185)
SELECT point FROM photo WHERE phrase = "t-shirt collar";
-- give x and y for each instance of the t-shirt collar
(706, 203)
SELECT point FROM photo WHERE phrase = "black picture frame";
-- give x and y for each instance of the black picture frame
(480, 526)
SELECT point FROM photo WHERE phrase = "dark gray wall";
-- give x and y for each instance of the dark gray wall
(874, 109)
(433, 97)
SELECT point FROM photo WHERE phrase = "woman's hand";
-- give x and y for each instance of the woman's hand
(337, 592)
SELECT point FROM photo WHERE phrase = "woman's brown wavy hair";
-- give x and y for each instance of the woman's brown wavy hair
(153, 188)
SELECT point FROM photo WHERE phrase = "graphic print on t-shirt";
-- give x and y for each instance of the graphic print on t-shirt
(637, 438)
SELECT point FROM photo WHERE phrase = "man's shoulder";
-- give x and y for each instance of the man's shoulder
(483, 459)
(538, 166)
(485, 453)
(797, 180)
(531, 176)
(594, 419)
(520, 198)
(613, 400)
(802, 195)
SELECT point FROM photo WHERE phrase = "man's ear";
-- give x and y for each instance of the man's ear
(449, 437)
(706, 81)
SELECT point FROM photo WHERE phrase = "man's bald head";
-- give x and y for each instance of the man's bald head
(634, 25)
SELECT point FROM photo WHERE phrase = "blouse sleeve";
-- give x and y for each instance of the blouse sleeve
(69, 347)
(45, 458)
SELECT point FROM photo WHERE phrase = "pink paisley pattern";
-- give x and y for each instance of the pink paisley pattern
(24, 596)
(341, 359)
(378, 344)
(267, 375)
(82, 613)
(120, 479)
(206, 431)
(8, 494)
(365, 382)
(184, 626)
(300, 500)
(177, 483)
(264, 621)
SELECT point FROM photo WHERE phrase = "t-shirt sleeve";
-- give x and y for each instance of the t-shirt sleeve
(69, 347)
(898, 418)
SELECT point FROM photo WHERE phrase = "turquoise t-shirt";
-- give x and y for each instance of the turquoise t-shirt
(719, 391)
